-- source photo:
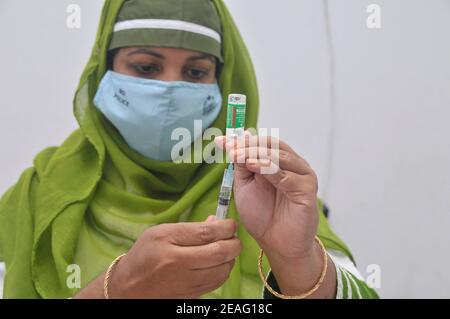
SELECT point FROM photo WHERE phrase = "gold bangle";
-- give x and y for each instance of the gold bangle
(304, 295)
(108, 275)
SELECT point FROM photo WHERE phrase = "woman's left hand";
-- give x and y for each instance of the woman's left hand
(275, 192)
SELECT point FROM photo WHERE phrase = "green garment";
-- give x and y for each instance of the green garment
(86, 201)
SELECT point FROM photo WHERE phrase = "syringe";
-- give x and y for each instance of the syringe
(225, 192)
(237, 104)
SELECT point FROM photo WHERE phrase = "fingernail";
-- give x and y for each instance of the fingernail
(252, 161)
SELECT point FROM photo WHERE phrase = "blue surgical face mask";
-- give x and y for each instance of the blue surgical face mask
(145, 112)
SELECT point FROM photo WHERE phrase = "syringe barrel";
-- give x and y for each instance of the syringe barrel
(225, 196)
(221, 212)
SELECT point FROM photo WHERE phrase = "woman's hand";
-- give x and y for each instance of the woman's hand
(275, 192)
(182, 260)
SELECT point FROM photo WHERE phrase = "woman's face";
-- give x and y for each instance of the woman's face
(165, 64)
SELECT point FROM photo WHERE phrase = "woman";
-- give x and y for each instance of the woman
(111, 190)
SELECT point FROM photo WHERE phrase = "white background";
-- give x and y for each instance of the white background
(389, 184)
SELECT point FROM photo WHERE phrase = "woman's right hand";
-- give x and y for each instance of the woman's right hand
(181, 260)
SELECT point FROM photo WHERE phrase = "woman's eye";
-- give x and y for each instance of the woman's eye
(146, 69)
(196, 74)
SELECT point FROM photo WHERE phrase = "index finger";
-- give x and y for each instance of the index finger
(249, 140)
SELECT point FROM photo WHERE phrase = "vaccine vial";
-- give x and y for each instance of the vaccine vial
(235, 128)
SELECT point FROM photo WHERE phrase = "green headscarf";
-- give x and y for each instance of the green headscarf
(188, 24)
(87, 201)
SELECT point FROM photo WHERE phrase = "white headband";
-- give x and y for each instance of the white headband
(168, 25)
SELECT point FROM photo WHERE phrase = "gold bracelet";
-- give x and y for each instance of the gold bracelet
(304, 295)
(108, 275)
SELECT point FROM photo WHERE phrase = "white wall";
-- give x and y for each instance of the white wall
(389, 184)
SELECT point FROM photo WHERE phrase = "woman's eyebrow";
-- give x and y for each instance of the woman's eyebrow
(201, 57)
(146, 51)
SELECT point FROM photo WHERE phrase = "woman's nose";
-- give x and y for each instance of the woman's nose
(170, 75)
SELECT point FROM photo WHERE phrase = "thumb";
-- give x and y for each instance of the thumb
(241, 174)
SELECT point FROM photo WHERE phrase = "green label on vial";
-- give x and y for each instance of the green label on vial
(236, 116)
